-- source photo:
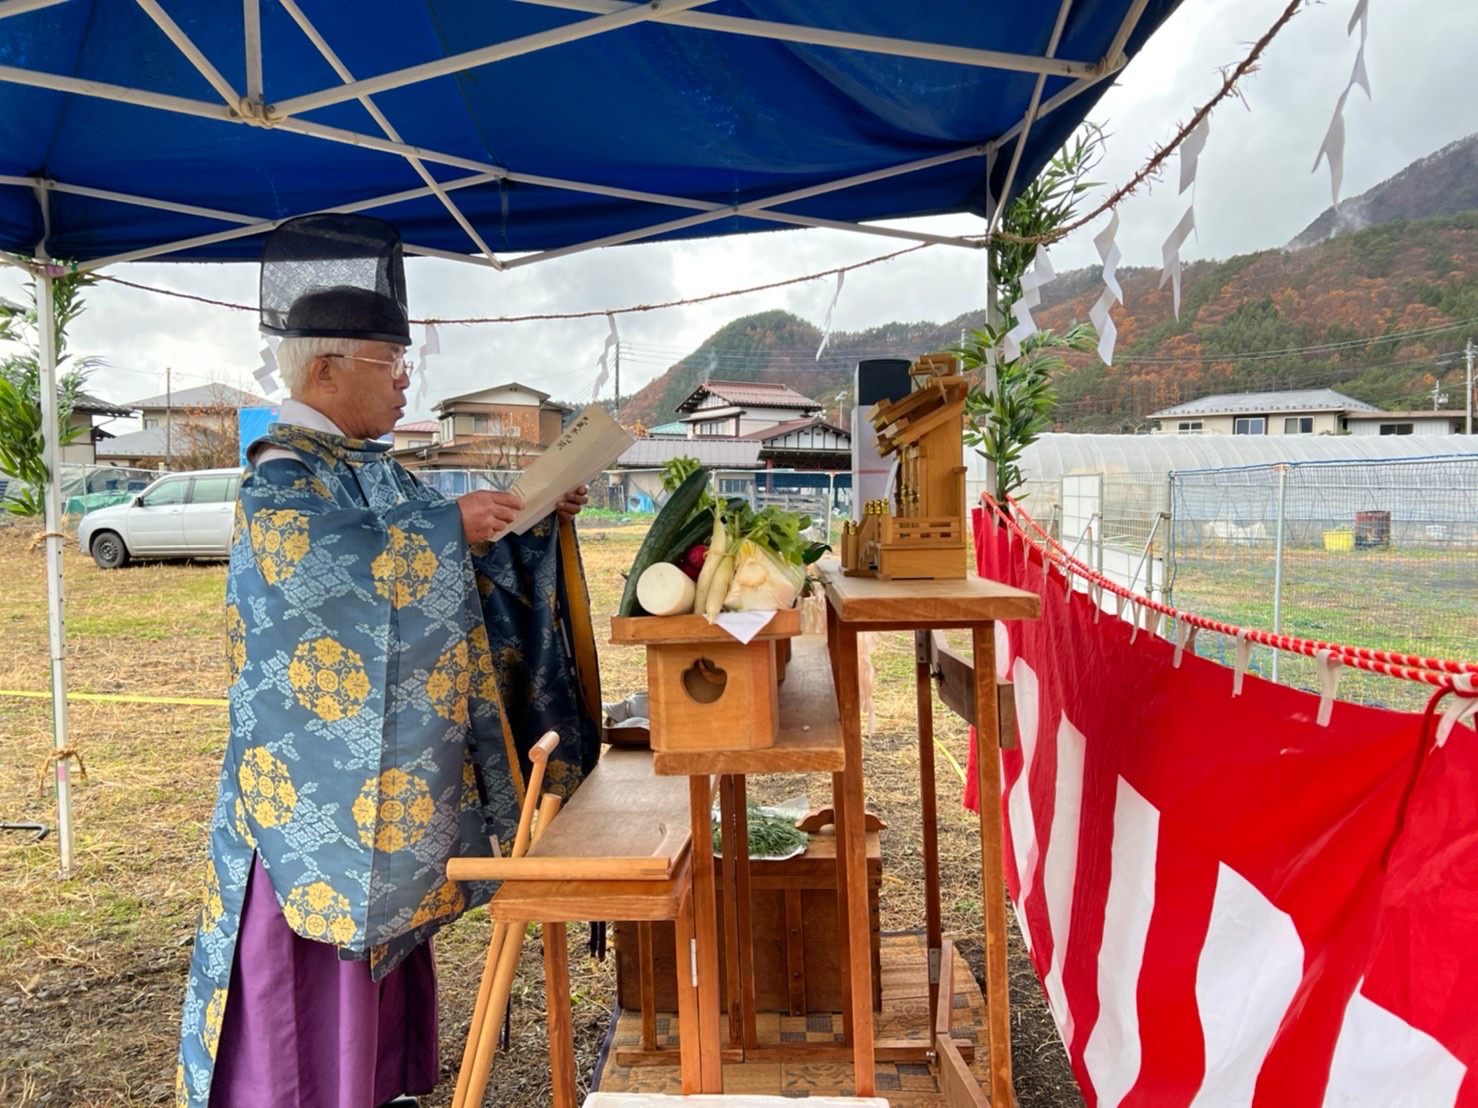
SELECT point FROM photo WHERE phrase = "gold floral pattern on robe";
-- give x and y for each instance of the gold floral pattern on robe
(280, 539)
(267, 789)
(446, 902)
(329, 679)
(321, 913)
(393, 810)
(404, 571)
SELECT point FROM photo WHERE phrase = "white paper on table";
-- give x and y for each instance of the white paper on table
(744, 625)
(590, 444)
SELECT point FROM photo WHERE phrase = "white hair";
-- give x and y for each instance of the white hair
(295, 355)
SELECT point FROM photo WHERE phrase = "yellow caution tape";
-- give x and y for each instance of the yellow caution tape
(119, 698)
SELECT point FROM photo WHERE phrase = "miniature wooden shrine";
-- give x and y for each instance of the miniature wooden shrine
(921, 534)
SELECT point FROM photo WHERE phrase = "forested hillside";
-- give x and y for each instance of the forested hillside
(1377, 314)
(1376, 300)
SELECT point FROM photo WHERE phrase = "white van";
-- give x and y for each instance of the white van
(181, 515)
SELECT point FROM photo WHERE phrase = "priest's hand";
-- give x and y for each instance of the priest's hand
(570, 503)
(485, 514)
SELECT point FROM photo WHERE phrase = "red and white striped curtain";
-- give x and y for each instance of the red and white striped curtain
(1227, 903)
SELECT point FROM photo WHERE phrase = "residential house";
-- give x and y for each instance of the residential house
(89, 436)
(741, 430)
(1299, 412)
(729, 409)
(415, 434)
(502, 427)
(1406, 423)
(788, 426)
(194, 428)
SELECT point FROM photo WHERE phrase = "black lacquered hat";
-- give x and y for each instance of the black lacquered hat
(334, 276)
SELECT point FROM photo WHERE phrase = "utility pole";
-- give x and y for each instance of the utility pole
(618, 379)
(1468, 405)
(168, 420)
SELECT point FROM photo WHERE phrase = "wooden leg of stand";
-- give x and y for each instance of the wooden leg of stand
(561, 1019)
(705, 927)
(687, 1001)
(648, 986)
(933, 927)
(742, 914)
(728, 869)
(992, 888)
(851, 833)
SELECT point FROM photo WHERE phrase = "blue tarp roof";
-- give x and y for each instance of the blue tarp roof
(696, 107)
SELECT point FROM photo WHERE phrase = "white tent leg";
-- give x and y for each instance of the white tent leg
(49, 386)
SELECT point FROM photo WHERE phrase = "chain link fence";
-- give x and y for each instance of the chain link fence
(1373, 554)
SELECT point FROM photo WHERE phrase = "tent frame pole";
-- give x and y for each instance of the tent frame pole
(328, 54)
(848, 40)
(251, 27)
(193, 54)
(1031, 112)
(16, 7)
(49, 386)
(653, 10)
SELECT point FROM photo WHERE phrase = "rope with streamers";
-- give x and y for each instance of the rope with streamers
(1149, 169)
(1152, 167)
(1409, 667)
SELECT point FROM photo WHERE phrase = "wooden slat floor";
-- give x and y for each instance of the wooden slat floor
(905, 1016)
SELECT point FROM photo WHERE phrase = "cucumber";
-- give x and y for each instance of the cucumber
(664, 529)
(697, 529)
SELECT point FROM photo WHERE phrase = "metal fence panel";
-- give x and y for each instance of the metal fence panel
(1375, 554)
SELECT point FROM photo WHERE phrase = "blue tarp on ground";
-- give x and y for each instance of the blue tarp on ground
(670, 108)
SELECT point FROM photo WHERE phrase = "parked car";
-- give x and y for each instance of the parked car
(181, 515)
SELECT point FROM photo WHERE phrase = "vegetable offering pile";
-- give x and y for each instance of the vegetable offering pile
(705, 556)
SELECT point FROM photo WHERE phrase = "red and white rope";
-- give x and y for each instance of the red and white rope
(1409, 667)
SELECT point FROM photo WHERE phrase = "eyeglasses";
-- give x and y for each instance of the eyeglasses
(397, 366)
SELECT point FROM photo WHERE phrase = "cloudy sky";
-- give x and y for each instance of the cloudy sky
(1255, 190)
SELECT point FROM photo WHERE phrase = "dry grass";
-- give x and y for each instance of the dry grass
(92, 968)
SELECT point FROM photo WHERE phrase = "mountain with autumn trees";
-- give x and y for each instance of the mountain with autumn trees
(1380, 313)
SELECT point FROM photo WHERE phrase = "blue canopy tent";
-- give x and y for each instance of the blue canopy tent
(506, 132)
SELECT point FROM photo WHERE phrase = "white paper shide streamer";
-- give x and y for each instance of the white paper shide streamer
(266, 373)
(1112, 294)
(431, 344)
(1332, 149)
(1190, 155)
(1031, 283)
(613, 339)
(826, 327)
(1170, 252)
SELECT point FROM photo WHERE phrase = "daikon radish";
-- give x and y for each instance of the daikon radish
(665, 590)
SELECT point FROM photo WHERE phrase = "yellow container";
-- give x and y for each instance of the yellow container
(1339, 541)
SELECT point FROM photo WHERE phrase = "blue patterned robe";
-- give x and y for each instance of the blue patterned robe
(386, 685)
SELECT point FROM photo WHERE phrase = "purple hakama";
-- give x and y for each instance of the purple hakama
(304, 1028)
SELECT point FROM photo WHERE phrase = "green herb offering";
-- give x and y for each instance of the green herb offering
(770, 835)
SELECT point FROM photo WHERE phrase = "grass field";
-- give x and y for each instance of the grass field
(1413, 602)
(92, 967)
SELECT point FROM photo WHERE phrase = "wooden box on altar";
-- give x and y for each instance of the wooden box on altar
(793, 916)
(705, 689)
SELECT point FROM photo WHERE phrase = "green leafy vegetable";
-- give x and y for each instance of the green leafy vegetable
(770, 835)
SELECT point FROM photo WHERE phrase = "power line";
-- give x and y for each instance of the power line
(1318, 348)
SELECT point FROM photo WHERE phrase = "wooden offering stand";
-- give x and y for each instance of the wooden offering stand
(923, 536)
(705, 689)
